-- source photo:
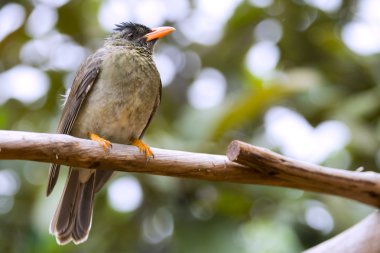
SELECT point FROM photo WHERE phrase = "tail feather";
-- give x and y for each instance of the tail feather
(53, 177)
(68, 204)
(84, 215)
(101, 178)
(72, 219)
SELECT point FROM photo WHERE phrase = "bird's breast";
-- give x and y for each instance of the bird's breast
(122, 100)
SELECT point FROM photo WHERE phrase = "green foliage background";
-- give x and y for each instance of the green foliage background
(207, 216)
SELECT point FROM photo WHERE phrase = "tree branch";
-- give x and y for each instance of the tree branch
(364, 237)
(360, 186)
(252, 165)
(71, 151)
(247, 164)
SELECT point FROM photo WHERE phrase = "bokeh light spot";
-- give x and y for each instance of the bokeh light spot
(151, 13)
(206, 22)
(9, 182)
(191, 66)
(159, 226)
(53, 51)
(165, 67)
(261, 3)
(54, 3)
(6, 204)
(362, 38)
(318, 218)
(67, 56)
(9, 186)
(24, 83)
(208, 90)
(12, 16)
(297, 138)
(325, 5)
(269, 30)
(41, 20)
(125, 194)
(181, 8)
(362, 35)
(262, 58)
(113, 12)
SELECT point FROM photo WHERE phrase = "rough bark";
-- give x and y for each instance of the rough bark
(248, 165)
(245, 164)
(364, 237)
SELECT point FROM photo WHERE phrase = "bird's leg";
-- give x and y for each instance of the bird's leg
(103, 142)
(144, 148)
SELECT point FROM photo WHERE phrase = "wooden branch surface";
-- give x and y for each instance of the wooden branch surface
(252, 165)
(245, 164)
(71, 151)
(361, 186)
(364, 237)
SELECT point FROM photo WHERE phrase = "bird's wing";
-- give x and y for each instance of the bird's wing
(83, 82)
(156, 105)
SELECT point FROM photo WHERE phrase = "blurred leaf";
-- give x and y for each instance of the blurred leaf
(247, 106)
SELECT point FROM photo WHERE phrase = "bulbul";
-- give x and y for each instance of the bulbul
(114, 96)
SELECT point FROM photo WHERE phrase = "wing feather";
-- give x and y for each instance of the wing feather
(83, 82)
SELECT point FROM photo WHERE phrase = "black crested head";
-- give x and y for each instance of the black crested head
(137, 35)
(132, 27)
(132, 33)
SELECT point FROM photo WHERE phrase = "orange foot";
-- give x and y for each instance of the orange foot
(143, 148)
(103, 142)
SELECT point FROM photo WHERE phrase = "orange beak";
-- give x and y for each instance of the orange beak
(159, 32)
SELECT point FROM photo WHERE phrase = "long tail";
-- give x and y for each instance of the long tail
(72, 219)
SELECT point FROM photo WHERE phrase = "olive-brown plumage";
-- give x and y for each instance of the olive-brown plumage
(114, 95)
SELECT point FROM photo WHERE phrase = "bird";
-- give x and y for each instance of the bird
(114, 95)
